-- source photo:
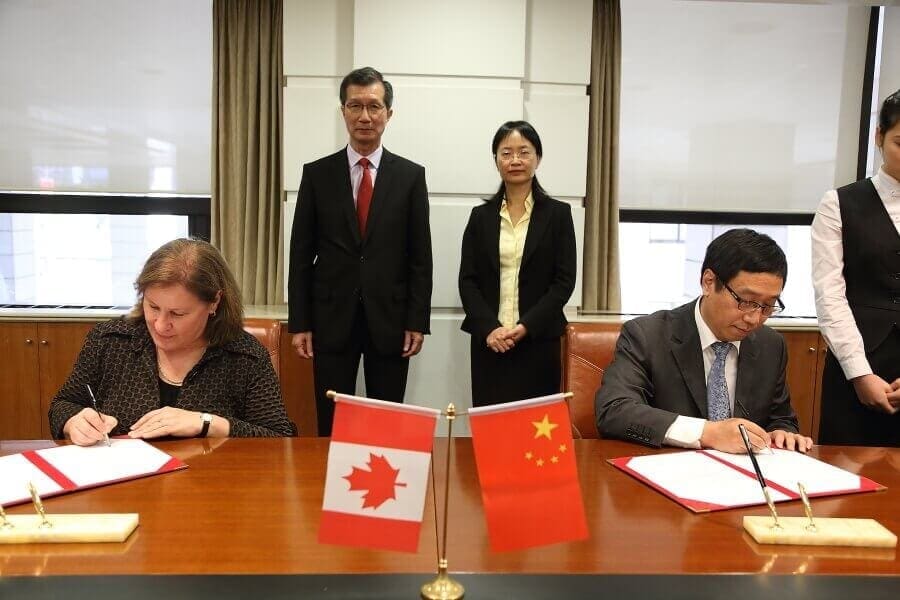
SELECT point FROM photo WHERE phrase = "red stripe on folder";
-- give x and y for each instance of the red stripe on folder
(50, 471)
(173, 464)
(778, 488)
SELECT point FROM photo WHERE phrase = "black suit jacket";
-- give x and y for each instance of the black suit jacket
(657, 374)
(332, 267)
(546, 275)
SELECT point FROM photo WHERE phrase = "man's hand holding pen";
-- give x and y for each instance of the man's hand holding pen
(725, 436)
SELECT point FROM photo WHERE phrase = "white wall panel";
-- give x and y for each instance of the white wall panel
(578, 219)
(447, 125)
(318, 37)
(465, 37)
(559, 41)
(440, 373)
(313, 126)
(448, 222)
(287, 221)
(559, 113)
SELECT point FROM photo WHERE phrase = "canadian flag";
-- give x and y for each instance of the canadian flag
(377, 475)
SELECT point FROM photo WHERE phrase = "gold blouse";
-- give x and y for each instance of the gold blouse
(512, 245)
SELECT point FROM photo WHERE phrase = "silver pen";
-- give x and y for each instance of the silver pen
(97, 410)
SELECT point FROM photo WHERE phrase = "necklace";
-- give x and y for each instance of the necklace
(162, 375)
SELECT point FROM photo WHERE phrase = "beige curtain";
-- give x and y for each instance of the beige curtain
(601, 227)
(246, 148)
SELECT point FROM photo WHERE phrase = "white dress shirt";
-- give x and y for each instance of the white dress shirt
(356, 171)
(686, 431)
(836, 320)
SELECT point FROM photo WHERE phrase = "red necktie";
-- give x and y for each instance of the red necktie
(364, 196)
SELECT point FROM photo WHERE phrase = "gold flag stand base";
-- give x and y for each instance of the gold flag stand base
(443, 587)
(823, 532)
(60, 529)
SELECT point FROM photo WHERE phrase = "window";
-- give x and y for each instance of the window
(106, 120)
(661, 273)
(733, 114)
(734, 106)
(87, 260)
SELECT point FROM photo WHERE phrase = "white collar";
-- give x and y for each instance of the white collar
(707, 338)
(374, 158)
(887, 186)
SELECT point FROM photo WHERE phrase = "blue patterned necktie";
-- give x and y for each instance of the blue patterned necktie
(719, 407)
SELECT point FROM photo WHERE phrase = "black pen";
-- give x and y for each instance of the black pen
(97, 410)
(759, 475)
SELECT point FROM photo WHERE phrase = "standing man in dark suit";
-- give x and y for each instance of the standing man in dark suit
(360, 262)
(687, 377)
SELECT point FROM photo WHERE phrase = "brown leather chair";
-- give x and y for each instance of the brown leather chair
(268, 332)
(588, 350)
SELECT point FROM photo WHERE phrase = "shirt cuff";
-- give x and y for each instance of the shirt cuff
(685, 432)
(856, 367)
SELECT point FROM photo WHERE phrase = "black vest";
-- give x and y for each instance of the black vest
(871, 261)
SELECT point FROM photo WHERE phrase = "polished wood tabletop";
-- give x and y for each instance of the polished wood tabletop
(252, 506)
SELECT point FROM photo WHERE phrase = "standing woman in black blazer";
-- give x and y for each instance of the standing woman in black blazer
(517, 272)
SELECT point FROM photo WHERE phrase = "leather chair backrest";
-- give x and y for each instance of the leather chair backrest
(268, 332)
(588, 350)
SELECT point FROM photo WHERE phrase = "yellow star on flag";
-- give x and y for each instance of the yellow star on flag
(562, 448)
(544, 427)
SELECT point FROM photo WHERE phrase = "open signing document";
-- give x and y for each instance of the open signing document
(68, 468)
(707, 480)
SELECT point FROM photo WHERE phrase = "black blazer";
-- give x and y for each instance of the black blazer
(657, 374)
(546, 275)
(332, 268)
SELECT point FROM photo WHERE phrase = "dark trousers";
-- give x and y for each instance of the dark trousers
(530, 369)
(845, 420)
(385, 375)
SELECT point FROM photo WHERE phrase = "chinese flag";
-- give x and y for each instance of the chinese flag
(526, 466)
(378, 463)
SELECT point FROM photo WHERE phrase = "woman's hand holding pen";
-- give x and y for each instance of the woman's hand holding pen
(89, 427)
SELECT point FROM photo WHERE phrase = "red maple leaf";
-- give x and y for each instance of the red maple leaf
(379, 481)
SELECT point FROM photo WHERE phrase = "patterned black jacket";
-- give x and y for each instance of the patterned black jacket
(235, 381)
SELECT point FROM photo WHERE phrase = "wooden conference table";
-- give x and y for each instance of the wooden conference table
(251, 507)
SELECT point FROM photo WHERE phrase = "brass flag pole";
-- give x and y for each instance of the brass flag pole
(443, 587)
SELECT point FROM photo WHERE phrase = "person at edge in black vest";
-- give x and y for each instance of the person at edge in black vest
(856, 275)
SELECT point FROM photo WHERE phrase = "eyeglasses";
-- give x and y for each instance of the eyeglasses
(508, 155)
(749, 306)
(355, 108)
